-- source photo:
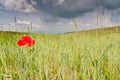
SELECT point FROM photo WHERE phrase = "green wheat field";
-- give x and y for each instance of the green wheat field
(86, 55)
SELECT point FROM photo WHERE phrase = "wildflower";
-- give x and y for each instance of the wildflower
(26, 41)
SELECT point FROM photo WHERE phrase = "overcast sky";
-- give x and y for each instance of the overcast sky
(58, 15)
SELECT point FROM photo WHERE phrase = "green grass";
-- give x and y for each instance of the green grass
(74, 56)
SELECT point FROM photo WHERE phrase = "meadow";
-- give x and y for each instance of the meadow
(83, 55)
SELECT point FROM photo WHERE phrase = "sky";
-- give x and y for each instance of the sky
(58, 15)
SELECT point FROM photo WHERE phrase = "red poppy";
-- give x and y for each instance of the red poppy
(26, 41)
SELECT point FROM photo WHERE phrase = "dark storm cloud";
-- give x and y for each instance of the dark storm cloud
(74, 8)
(67, 8)
(111, 4)
(60, 8)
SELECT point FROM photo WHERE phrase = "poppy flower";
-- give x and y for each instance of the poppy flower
(26, 41)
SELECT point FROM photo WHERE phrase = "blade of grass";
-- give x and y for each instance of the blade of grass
(103, 54)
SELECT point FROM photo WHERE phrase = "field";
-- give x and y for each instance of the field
(87, 55)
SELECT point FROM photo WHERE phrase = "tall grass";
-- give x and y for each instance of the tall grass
(77, 56)
(60, 57)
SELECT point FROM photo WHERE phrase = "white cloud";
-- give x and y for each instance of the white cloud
(19, 22)
(60, 2)
(27, 23)
(20, 26)
(18, 5)
(33, 2)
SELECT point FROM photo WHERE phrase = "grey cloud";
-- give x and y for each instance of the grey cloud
(60, 8)
(73, 8)
(111, 4)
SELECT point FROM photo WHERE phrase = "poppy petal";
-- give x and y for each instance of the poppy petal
(21, 43)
